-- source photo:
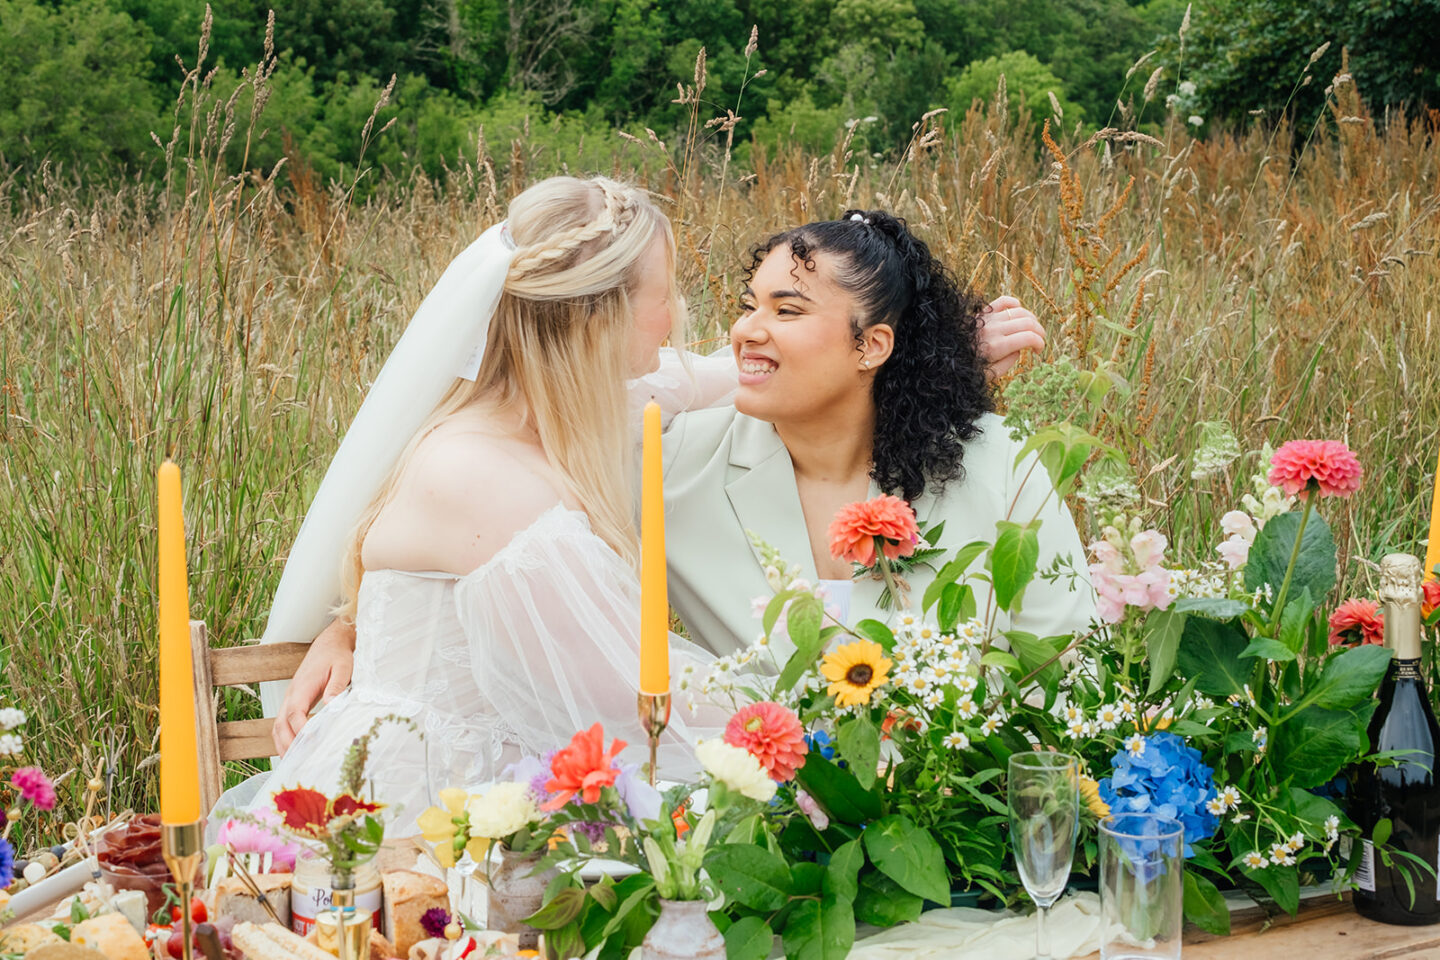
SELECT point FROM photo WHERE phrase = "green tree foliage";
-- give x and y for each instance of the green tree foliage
(1249, 55)
(88, 80)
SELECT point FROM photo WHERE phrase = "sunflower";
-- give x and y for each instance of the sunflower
(1090, 793)
(854, 671)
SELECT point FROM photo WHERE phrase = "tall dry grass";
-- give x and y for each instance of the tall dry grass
(1284, 281)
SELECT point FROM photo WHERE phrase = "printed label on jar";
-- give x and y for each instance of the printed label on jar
(1365, 873)
(308, 903)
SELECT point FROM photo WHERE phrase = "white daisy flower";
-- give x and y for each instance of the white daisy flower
(1240, 818)
(744, 657)
(1281, 856)
(1127, 709)
(966, 684)
(1077, 729)
(1231, 797)
(948, 642)
(956, 740)
(1135, 745)
(1215, 806)
(933, 699)
(907, 620)
(1073, 713)
(1255, 860)
(1296, 842)
(1332, 828)
(991, 725)
(918, 685)
(1108, 717)
(967, 709)
(927, 635)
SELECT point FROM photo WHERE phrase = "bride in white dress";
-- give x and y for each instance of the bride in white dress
(487, 521)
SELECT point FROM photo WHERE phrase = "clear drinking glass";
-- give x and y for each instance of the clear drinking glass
(1142, 887)
(1044, 800)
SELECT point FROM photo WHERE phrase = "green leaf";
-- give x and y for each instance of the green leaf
(1383, 828)
(1349, 678)
(1013, 559)
(1270, 555)
(1209, 653)
(1268, 649)
(1032, 651)
(1163, 629)
(634, 896)
(957, 602)
(774, 608)
(1295, 618)
(883, 903)
(1002, 660)
(564, 909)
(1216, 608)
(859, 743)
(952, 571)
(803, 622)
(1312, 743)
(842, 873)
(876, 632)
(820, 930)
(1204, 906)
(910, 856)
(837, 791)
(1282, 883)
(605, 895)
(749, 938)
(749, 875)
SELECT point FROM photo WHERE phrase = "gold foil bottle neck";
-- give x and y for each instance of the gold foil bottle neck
(1400, 576)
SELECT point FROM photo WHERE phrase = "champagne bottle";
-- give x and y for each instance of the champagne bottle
(1405, 791)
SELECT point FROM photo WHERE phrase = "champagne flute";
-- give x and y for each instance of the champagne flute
(1044, 801)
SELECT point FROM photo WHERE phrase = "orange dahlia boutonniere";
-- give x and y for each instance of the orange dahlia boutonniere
(1357, 620)
(885, 521)
(855, 671)
(584, 767)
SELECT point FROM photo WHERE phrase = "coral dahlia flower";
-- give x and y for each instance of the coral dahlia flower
(1432, 597)
(584, 767)
(858, 526)
(1357, 620)
(1327, 464)
(773, 735)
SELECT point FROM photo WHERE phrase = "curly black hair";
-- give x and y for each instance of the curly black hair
(931, 392)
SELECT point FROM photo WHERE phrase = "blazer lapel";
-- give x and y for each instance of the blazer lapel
(764, 496)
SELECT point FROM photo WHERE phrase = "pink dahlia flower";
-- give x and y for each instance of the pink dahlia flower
(772, 734)
(1329, 464)
(1357, 620)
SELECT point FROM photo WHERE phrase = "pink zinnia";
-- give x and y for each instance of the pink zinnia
(1329, 464)
(1357, 620)
(858, 525)
(772, 734)
(35, 787)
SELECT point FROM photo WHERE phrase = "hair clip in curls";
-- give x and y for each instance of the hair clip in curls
(861, 218)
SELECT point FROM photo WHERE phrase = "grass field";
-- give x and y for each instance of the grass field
(1285, 281)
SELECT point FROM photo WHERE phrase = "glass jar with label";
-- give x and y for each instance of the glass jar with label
(311, 892)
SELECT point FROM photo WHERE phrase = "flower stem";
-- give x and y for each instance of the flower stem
(1279, 607)
(896, 600)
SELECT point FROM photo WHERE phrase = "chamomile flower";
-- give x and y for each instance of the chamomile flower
(1127, 709)
(1255, 860)
(1073, 713)
(991, 725)
(1281, 855)
(948, 642)
(907, 621)
(1078, 729)
(1215, 806)
(1240, 817)
(927, 634)
(1332, 828)
(967, 709)
(1135, 745)
(918, 684)
(966, 684)
(1231, 797)
(933, 699)
(1107, 717)
(1296, 842)
(956, 740)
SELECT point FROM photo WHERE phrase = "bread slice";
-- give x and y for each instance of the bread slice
(234, 899)
(270, 942)
(407, 896)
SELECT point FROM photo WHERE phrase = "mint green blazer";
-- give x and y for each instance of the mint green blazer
(726, 473)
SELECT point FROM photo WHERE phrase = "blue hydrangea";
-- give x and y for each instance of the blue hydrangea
(1168, 779)
(7, 864)
(820, 742)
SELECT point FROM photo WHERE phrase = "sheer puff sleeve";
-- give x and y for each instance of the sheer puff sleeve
(685, 381)
(554, 636)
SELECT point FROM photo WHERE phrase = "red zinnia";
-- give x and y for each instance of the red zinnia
(858, 525)
(1329, 464)
(34, 786)
(1432, 597)
(1357, 620)
(773, 735)
(584, 767)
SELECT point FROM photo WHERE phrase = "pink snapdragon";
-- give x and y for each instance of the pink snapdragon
(1129, 573)
(1240, 532)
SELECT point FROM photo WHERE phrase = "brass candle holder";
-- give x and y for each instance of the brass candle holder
(654, 718)
(182, 845)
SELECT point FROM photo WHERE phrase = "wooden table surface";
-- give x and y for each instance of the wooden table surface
(1324, 930)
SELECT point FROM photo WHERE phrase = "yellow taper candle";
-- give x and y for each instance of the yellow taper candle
(1432, 548)
(179, 759)
(654, 598)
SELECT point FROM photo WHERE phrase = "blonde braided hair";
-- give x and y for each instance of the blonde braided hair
(559, 348)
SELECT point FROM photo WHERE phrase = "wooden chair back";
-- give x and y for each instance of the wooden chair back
(230, 667)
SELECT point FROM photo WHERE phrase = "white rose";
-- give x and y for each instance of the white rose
(503, 810)
(735, 768)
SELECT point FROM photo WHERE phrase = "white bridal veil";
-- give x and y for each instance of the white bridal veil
(421, 368)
